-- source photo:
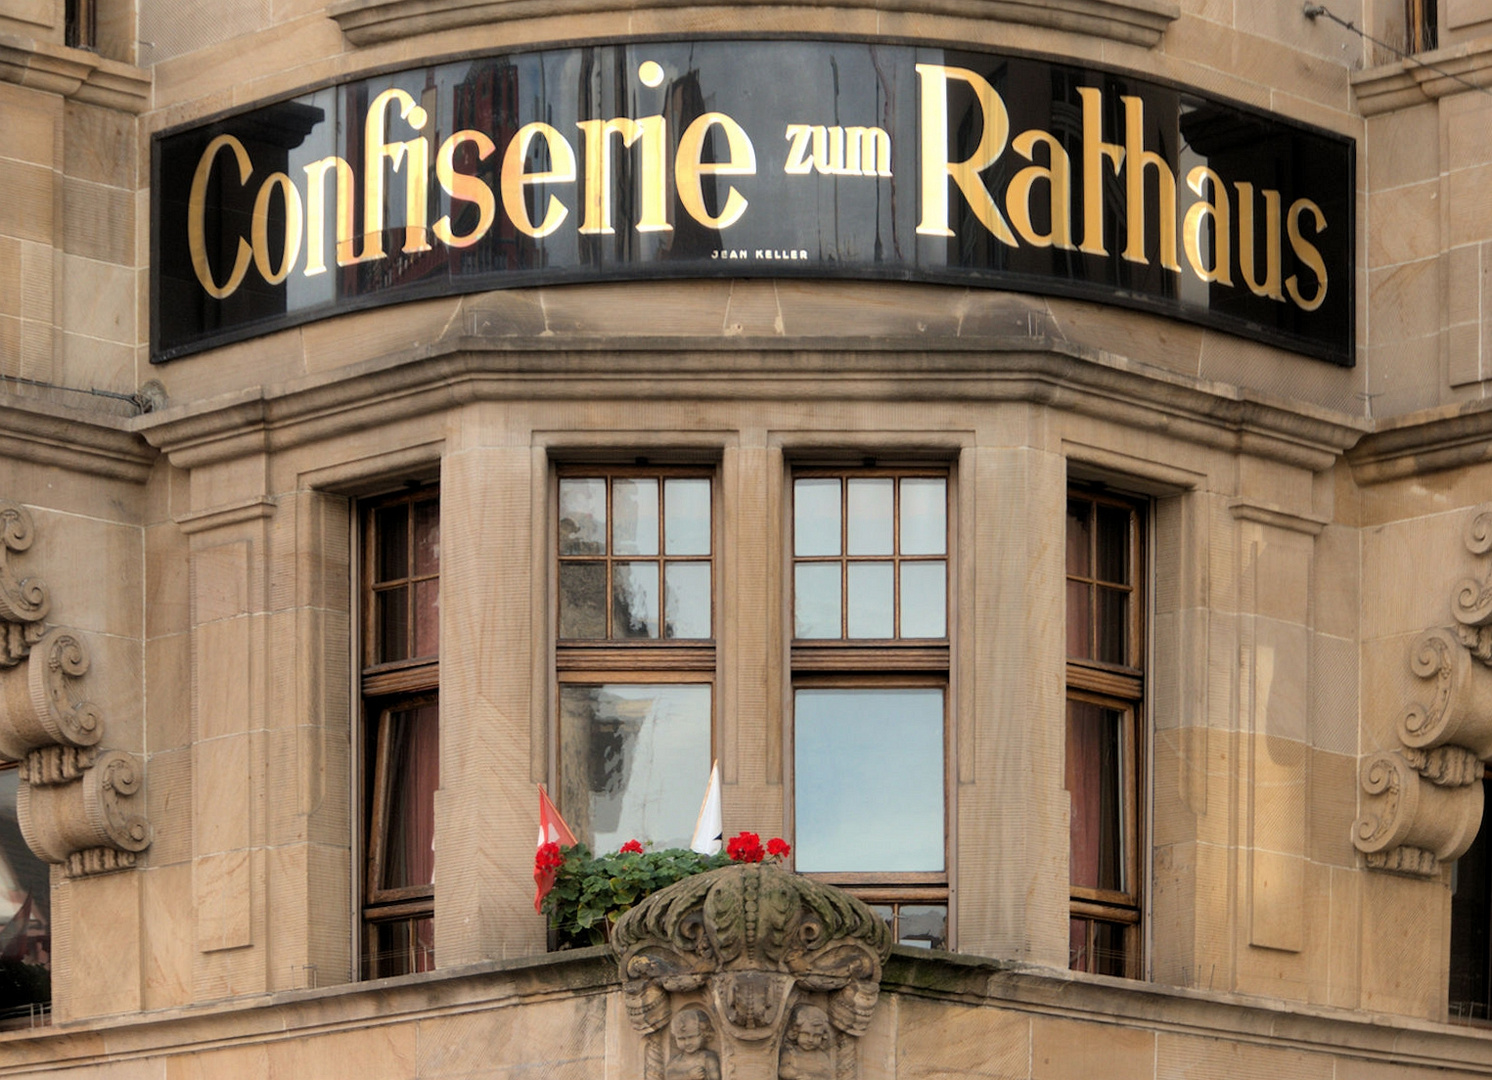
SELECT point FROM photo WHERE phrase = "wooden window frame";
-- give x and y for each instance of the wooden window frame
(884, 664)
(1422, 25)
(633, 661)
(1121, 688)
(386, 688)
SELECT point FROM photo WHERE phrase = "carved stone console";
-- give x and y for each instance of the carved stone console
(78, 805)
(1423, 803)
(750, 973)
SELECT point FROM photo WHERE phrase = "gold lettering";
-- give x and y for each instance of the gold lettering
(867, 151)
(1220, 227)
(1138, 160)
(690, 170)
(1270, 286)
(196, 219)
(260, 228)
(1059, 190)
(316, 214)
(797, 153)
(465, 187)
(828, 150)
(1094, 151)
(374, 151)
(1306, 252)
(652, 131)
(937, 170)
(514, 179)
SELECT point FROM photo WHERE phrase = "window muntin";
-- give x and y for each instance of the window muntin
(634, 650)
(401, 729)
(1105, 689)
(635, 557)
(630, 754)
(870, 557)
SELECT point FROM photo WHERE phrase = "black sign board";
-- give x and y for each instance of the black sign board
(753, 159)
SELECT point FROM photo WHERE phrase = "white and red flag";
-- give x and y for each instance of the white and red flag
(553, 834)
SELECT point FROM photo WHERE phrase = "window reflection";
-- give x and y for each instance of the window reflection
(25, 919)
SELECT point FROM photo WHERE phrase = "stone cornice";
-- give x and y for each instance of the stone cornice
(46, 433)
(1136, 22)
(1424, 442)
(1406, 83)
(1028, 365)
(74, 73)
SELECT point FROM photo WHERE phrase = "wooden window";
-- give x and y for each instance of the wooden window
(635, 651)
(401, 729)
(1423, 25)
(80, 24)
(25, 919)
(1105, 694)
(870, 557)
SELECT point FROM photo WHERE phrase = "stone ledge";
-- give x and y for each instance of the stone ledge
(1136, 22)
(40, 429)
(74, 73)
(1448, 437)
(1406, 83)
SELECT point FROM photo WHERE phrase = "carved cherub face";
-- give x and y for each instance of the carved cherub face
(688, 1029)
(810, 1028)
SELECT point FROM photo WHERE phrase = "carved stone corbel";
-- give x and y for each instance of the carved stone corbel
(751, 973)
(79, 806)
(1412, 822)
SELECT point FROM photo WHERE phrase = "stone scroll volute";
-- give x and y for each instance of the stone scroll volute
(750, 973)
(80, 806)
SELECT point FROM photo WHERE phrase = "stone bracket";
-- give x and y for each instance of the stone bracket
(80, 806)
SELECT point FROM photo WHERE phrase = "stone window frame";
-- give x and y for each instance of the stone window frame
(888, 664)
(1118, 688)
(388, 688)
(633, 661)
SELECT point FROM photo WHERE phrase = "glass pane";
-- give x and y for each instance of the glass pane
(392, 612)
(816, 600)
(427, 537)
(391, 527)
(1079, 619)
(1471, 920)
(401, 947)
(923, 926)
(634, 512)
(887, 913)
(686, 517)
(634, 600)
(427, 617)
(634, 761)
(1110, 957)
(412, 775)
(924, 599)
(924, 516)
(871, 601)
(1079, 538)
(869, 779)
(582, 600)
(872, 509)
(1113, 544)
(582, 523)
(25, 915)
(1113, 626)
(686, 595)
(816, 517)
(1094, 780)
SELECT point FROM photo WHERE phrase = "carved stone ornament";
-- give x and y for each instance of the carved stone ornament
(750, 973)
(79, 806)
(1422, 803)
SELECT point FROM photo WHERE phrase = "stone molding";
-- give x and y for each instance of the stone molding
(1135, 22)
(1406, 83)
(74, 73)
(751, 973)
(1423, 802)
(79, 806)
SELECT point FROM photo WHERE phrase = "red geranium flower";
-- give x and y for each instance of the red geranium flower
(548, 858)
(632, 846)
(745, 847)
(778, 846)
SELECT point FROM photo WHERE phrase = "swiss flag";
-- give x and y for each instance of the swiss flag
(552, 830)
